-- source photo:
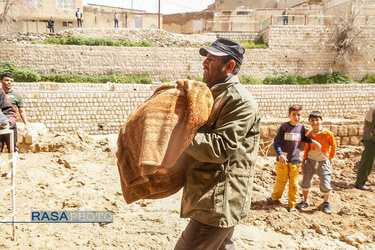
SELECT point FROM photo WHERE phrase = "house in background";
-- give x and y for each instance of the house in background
(102, 16)
(187, 23)
(32, 15)
(232, 15)
(252, 16)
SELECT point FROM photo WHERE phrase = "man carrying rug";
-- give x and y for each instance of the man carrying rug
(221, 157)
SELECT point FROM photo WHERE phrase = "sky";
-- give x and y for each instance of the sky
(166, 6)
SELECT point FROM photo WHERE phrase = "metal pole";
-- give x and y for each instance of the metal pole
(11, 137)
(159, 16)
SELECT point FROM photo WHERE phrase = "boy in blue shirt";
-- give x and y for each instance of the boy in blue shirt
(287, 145)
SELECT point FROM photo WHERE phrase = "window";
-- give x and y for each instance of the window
(242, 13)
(33, 3)
(65, 4)
(138, 21)
(67, 24)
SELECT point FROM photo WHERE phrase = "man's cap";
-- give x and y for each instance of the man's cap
(225, 47)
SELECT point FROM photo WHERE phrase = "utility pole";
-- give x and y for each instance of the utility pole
(159, 16)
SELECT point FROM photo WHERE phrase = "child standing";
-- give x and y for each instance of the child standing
(318, 161)
(287, 146)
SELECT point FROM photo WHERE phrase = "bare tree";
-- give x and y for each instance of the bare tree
(348, 30)
(9, 15)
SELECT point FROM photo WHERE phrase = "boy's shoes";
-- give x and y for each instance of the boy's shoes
(302, 204)
(292, 210)
(326, 208)
(273, 202)
(364, 187)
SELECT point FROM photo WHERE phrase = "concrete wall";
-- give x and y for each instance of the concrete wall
(183, 23)
(104, 108)
(99, 16)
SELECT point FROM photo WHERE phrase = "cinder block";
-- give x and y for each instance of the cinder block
(355, 140)
(353, 130)
(342, 131)
(360, 130)
(334, 129)
(20, 138)
(28, 139)
(345, 140)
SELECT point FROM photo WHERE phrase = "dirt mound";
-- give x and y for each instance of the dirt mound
(62, 142)
(159, 38)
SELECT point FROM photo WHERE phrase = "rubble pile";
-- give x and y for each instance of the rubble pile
(159, 38)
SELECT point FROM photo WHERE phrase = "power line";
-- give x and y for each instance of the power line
(179, 5)
(207, 2)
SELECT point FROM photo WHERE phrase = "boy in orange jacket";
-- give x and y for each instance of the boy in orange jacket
(318, 161)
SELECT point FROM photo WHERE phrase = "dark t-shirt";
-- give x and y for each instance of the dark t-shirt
(288, 141)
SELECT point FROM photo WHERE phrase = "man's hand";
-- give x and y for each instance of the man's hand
(317, 145)
(27, 130)
(283, 159)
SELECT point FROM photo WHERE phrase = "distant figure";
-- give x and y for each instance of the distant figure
(285, 16)
(51, 25)
(116, 16)
(368, 155)
(79, 16)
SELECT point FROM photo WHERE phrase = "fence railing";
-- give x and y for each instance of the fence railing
(361, 21)
(296, 20)
(256, 26)
(232, 26)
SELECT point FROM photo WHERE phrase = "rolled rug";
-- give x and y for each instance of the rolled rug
(154, 137)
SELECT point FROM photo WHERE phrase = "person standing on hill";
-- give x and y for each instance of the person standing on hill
(51, 25)
(285, 16)
(368, 155)
(79, 16)
(116, 17)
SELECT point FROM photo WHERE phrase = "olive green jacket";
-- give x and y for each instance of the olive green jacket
(369, 128)
(221, 159)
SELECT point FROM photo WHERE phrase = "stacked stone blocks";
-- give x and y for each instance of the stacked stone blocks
(104, 108)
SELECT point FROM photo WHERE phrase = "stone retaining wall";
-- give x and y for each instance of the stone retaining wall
(302, 50)
(104, 108)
